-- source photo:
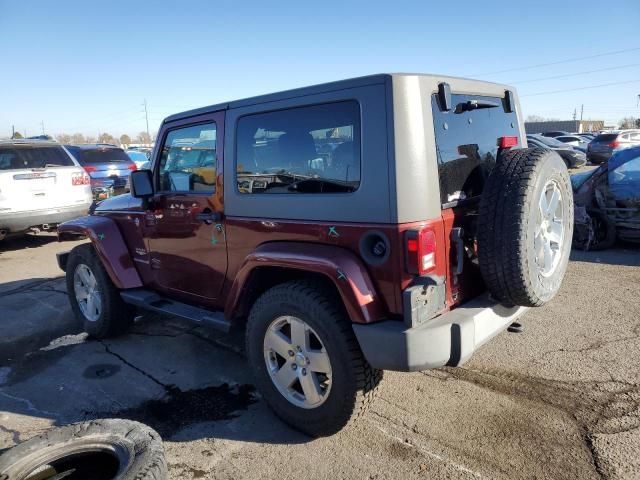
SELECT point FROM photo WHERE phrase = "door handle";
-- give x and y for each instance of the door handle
(209, 216)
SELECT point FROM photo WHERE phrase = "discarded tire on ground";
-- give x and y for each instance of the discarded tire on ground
(525, 227)
(98, 449)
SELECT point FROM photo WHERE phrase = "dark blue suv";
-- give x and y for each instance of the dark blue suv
(107, 165)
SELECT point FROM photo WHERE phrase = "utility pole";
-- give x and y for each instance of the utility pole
(42, 125)
(146, 117)
(581, 111)
(575, 113)
(13, 131)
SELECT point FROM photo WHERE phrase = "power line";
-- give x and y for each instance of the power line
(575, 74)
(580, 88)
(568, 60)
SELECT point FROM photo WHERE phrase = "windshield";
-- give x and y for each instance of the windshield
(467, 143)
(552, 142)
(25, 157)
(99, 155)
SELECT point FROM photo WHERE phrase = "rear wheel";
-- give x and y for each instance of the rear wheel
(306, 360)
(95, 300)
(525, 227)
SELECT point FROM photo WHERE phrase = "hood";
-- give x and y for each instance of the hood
(119, 202)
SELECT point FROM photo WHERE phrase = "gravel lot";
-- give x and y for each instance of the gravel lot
(561, 400)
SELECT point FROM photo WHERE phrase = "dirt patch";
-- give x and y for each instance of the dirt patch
(178, 409)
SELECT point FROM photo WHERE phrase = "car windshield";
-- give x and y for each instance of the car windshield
(605, 137)
(28, 156)
(552, 142)
(99, 155)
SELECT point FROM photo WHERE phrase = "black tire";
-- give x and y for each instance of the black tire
(353, 383)
(602, 228)
(98, 449)
(115, 316)
(507, 223)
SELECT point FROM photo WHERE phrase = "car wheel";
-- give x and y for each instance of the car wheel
(98, 449)
(595, 232)
(306, 360)
(525, 226)
(95, 300)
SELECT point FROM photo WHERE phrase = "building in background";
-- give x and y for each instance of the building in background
(571, 126)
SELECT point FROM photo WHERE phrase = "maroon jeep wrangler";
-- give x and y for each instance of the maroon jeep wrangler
(390, 222)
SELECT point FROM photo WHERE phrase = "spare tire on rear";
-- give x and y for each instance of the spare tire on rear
(98, 449)
(525, 226)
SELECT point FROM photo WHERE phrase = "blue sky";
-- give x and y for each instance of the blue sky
(87, 66)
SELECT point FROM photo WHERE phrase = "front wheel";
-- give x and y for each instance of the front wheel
(306, 360)
(95, 300)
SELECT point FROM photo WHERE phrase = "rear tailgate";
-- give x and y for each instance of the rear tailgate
(468, 139)
(40, 178)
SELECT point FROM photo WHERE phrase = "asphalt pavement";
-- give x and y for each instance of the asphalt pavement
(560, 400)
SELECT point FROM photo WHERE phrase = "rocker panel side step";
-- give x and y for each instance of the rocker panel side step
(149, 300)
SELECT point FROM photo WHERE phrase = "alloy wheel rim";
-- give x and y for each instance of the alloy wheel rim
(549, 233)
(85, 287)
(297, 362)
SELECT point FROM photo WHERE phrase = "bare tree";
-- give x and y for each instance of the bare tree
(63, 138)
(143, 137)
(106, 138)
(78, 138)
(125, 139)
(534, 118)
(629, 122)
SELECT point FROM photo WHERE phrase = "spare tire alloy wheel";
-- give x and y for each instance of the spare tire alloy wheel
(297, 362)
(85, 288)
(550, 229)
(109, 449)
(525, 226)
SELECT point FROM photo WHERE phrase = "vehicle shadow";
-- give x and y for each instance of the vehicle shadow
(28, 240)
(186, 382)
(623, 254)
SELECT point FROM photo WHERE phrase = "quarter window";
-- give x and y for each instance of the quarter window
(312, 149)
(188, 159)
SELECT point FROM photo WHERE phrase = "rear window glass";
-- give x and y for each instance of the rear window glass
(467, 143)
(27, 157)
(313, 149)
(99, 155)
(605, 137)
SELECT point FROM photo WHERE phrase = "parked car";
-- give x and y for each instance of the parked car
(607, 202)
(587, 136)
(555, 133)
(138, 157)
(424, 233)
(572, 158)
(604, 145)
(577, 142)
(41, 185)
(107, 165)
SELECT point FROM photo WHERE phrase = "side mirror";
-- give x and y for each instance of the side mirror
(142, 184)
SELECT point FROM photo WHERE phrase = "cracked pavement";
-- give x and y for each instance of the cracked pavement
(561, 400)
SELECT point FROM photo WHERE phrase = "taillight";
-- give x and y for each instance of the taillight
(421, 251)
(89, 168)
(508, 142)
(614, 144)
(80, 179)
(132, 167)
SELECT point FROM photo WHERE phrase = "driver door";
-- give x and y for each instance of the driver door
(185, 226)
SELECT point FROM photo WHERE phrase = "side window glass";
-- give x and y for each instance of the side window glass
(312, 149)
(624, 179)
(188, 159)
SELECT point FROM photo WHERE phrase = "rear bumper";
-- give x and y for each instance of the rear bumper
(16, 222)
(447, 340)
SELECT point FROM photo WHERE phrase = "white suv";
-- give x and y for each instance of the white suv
(41, 185)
